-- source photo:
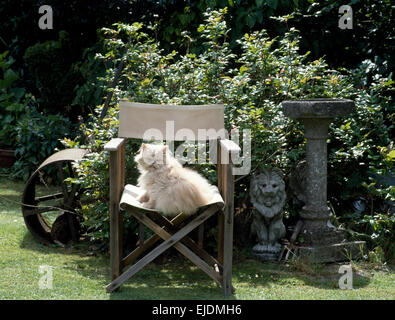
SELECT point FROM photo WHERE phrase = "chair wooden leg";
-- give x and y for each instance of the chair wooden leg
(228, 254)
(140, 250)
(220, 170)
(201, 236)
(141, 234)
(228, 184)
(221, 238)
(116, 244)
(116, 215)
(150, 242)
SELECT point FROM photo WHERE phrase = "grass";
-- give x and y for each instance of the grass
(80, 273)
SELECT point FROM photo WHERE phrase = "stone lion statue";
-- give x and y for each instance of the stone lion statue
(267, 194)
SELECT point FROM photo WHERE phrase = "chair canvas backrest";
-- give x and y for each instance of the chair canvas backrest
(170, 122)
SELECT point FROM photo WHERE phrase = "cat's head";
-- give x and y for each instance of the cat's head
(152, 156)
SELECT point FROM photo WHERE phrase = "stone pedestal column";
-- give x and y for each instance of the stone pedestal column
(316, 116)
(316, 212)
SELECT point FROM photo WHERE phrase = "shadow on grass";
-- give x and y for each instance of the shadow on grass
(28, 242)
(177, 278)
(321, 276)
(169, 293)
(174, 279)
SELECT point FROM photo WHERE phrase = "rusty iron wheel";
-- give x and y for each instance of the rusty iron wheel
(49, 203)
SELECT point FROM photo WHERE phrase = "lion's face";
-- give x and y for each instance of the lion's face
(268, 188)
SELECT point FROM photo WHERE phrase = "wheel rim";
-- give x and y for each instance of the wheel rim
(47, 196)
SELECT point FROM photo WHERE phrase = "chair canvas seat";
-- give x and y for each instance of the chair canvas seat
(131, 194)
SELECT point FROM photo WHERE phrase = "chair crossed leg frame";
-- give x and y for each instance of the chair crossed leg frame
(179, 240)
(220, 270)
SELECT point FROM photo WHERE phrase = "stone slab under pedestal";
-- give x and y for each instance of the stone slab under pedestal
(343, 251)
(267, 256)
(267, 251)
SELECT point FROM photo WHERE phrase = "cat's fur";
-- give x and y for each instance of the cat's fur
(169, 188)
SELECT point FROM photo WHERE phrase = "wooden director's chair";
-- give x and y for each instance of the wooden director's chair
(134, 121)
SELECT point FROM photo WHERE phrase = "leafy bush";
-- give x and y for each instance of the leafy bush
(252, 86)
(370, 38)
(93, 176)
(54, 73)
(37, 137)
(13, 101)
(317, 21)
(34, 135)
(90, 91)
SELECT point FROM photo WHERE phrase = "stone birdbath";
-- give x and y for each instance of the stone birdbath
(325, 242)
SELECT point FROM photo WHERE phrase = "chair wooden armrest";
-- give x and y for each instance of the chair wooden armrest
(116, 147)
(229, 146)
(114, 144)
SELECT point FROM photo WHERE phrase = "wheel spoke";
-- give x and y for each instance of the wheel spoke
(38, 210)
(71, 172)
(72, 195)
(49, 197)
(87, 201)
(62, 182)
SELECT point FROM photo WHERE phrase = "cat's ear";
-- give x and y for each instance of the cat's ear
(143, 146)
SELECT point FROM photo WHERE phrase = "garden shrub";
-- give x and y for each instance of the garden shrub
(38, 136)
(252, 86)
(32, 134)
(93, 175)
(89, 93)
(13, 101)
(54, 73)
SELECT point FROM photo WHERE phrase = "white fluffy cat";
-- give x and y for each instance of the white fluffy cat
(169, 188)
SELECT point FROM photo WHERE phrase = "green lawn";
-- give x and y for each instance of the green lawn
(78, 273)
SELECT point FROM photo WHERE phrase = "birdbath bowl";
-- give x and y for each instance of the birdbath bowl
(318, 108)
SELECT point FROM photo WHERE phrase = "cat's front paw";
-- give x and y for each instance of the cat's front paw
(148, 205)
(143, 198)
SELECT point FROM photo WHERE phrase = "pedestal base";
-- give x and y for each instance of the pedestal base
(322, 235)
(334, 252)
(267, 256)
(267, 251)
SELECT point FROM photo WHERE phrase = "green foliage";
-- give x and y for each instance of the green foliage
(90, 91)
(93, 176)
(252, 86)
(13, 101)
(377, 229)
(37, 137)
(34, 135)
(317, 21)
(371, 37)
(54, 74)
